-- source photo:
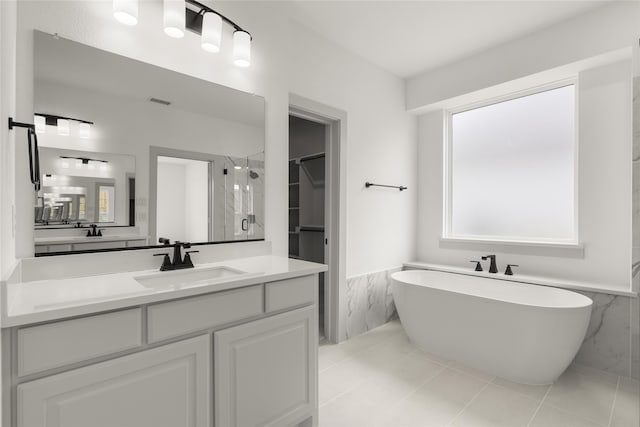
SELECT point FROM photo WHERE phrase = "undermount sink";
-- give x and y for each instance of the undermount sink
(187, 278)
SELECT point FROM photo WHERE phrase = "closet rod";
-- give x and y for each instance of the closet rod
(312, 157)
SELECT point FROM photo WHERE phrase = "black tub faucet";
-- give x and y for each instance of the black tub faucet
(493, 268)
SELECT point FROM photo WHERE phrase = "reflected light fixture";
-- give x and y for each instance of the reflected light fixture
(63, 127)
(181, 15)
(126, 11)
(174, 18)
(85, 130)
(39, 122)
(63, 124)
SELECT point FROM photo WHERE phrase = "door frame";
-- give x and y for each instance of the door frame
(335, 208)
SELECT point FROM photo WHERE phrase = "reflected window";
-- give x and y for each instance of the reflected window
(106, 211)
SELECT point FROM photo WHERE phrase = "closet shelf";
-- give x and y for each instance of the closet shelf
(318, 228)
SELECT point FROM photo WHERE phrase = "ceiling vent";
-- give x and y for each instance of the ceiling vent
(159, 101)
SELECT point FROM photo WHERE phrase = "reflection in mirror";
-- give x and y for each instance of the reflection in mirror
(79, 187)
(206, 196)
(94, 102)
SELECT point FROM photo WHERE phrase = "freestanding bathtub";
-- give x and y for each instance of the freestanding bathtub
(524, 333)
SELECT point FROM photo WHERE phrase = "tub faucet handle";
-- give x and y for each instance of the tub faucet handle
(478, 265)
(508, 271)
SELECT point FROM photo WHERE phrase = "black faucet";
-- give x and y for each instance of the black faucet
(493, 268)
(94, 232)
(178, 262)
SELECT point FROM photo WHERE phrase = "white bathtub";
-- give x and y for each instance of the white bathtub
(524, 333)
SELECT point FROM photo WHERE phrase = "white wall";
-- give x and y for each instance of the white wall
(380, 148)
(381, 138)
(594, 33)
(8, 18)
(604, 189)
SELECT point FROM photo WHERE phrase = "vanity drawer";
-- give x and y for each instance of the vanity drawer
(290, 292)
(171, 319)
(69, 341)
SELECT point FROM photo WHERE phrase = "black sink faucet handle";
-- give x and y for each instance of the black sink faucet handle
(508, 271)
(187, 259)
(164, 241)
(166, 261)
(478, 265)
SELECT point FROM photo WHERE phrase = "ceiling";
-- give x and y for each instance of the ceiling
(408, 38)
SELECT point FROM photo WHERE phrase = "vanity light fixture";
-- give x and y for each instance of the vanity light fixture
(62, 123)
(181, 15)
(126, 11)
(241, 48)
(211, 32)
(174, 18)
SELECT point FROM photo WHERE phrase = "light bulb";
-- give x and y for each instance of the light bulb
(85, 130)
(174, 18)
(78, 163)
(63, 127)
(126, 11)
(211, 32)
(40, 123)
(241, 48)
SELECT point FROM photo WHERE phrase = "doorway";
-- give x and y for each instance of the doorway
(307, 198)
(317, 201)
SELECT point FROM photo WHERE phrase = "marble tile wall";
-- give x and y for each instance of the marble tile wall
(607, 344)
(369, 301)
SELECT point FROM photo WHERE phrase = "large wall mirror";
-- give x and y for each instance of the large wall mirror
(131, 153)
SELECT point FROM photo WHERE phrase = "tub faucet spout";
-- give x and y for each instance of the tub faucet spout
(493, 268)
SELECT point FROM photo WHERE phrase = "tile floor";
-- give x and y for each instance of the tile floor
(380, 379)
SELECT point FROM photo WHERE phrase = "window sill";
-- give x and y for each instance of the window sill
(565, 250)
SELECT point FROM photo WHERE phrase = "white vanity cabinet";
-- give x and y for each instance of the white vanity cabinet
(266, 371)
(242, 357)
(166, 386)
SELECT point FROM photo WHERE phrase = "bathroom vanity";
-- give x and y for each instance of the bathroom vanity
(232, 343)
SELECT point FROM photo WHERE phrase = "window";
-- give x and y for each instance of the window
(510, 169)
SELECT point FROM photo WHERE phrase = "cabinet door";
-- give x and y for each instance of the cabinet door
(166, 386)
(266, 371)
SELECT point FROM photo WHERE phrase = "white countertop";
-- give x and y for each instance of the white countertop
(61, 240)
(46, 300)
(521, 278)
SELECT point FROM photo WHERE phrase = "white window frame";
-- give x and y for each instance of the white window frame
(448, 169)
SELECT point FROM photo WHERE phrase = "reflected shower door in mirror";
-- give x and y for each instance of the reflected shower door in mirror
(91, 101)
